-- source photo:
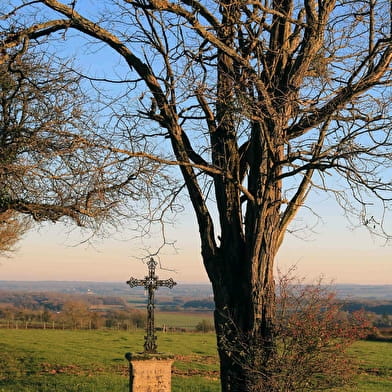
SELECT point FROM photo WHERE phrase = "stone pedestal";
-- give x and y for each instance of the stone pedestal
(149, 372)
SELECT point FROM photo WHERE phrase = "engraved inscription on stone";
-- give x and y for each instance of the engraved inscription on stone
(151, 375)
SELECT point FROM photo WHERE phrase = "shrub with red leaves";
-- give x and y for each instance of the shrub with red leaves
(312, 335)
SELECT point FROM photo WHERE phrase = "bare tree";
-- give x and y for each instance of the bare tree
(53, 164)
(257, 103)
(12, 228)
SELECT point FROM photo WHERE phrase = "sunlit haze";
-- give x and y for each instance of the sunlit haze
(332, 250)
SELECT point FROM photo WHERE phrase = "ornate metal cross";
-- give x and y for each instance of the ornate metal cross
(151, 283)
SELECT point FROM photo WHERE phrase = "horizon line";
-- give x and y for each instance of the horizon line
(179, 282)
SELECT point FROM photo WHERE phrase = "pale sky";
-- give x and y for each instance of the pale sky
(334, 251)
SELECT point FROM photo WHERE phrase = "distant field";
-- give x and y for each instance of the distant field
(93, 361)
(187, 320)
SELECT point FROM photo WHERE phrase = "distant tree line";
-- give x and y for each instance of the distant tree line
(54, 300)
(377, 307)
(56, 310)
(200, 304)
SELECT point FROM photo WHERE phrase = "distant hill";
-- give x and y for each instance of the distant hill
(195, 297)
(103, 288)
(376, 292)
(346, 291)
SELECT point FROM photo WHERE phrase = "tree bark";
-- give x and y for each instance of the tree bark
(244, 315)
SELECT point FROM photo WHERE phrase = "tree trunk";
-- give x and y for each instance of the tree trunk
(242, 272)
(244, 317)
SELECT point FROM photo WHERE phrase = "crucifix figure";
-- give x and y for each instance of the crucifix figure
(151, 283)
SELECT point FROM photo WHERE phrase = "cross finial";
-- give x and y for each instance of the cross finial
(151, 283)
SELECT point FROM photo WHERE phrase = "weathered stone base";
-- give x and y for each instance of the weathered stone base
(149, 372)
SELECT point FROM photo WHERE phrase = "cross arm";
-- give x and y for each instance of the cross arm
(132, 282)
(166, 283)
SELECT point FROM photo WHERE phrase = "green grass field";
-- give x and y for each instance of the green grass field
(187, 320)
(93, 361)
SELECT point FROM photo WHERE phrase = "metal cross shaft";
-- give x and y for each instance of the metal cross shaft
(151, 283)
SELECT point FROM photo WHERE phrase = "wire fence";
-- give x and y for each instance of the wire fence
(87, 325)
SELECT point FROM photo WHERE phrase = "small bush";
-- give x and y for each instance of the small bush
(312, 334)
